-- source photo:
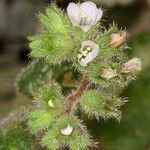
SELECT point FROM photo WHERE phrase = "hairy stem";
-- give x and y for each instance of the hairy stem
(74, 99)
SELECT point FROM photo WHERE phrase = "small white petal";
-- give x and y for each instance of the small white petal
(99, 14)
(67, 131)
(50, 103)
(93, 14)
(73, 13)
(85, 28)
(90, 9)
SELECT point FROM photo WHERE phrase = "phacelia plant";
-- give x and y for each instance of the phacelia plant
(75, 41)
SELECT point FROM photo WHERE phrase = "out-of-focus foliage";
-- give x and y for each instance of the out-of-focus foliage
(112, 2)
(16, 139)
(141, 48)
(17, 17)
(2, 17)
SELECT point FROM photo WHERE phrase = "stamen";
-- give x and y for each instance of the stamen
(82, 58)
(88, 48)
(84, 53)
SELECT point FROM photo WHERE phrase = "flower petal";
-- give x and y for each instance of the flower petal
(85, 28)
(89, 8)
(99, 14)
(93, 14)
(73, 12)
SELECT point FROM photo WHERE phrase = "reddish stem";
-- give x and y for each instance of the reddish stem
(75, 98)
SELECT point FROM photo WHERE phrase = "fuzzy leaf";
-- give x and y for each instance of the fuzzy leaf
(52, 92)
(54, 119)
(55, 20)
(79, 138)
(41, 119)
(33, 77)
(45, 114)
(37, 74)
(16, 138)
(100, 105)
(54, 47)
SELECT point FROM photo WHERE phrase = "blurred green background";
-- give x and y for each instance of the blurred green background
(18, 20)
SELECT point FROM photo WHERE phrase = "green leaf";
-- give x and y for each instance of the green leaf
(37, 74)
(100, 105)
(45, 114)
(33, 77)
(16, 138)
(41, 119)
(51, 92)
(77, 140)
(55, 20)
(54, 47)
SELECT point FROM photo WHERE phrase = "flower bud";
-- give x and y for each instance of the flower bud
(108, 74)
(50, 103)
(132, 66)
(117, 39)
(67, 131)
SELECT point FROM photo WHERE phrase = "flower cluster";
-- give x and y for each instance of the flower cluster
(97, 54)
(85, 16)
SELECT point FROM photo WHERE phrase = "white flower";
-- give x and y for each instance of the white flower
(67, 131)
(88, 52)
(84, 15)
(132, 65)
(108, 74)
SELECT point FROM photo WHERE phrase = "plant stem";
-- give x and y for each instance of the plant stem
(74, 99)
